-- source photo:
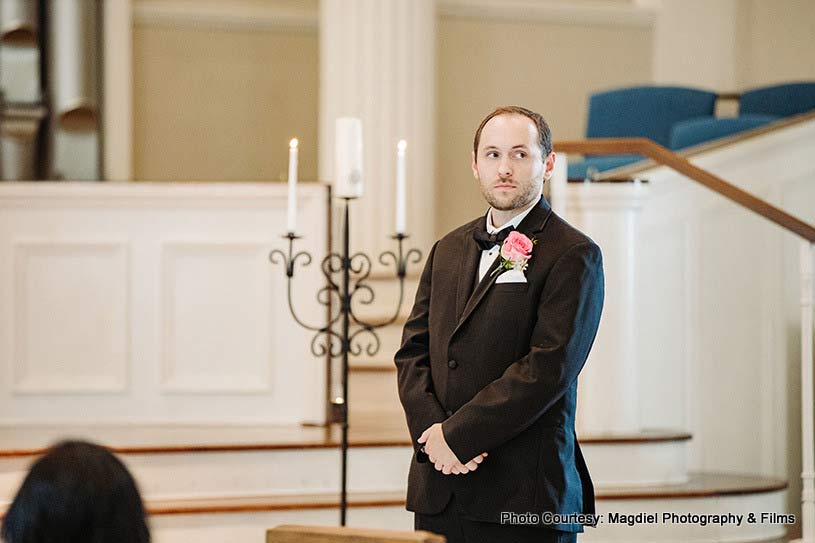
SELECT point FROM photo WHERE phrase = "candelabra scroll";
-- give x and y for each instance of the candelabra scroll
(359, 265)
(324, 294)
(400, 262)
(332, 345)
(344, 342)
(361, 272)
(370, 349)
(288, 262)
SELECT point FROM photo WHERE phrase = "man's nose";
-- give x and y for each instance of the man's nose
(504, 169)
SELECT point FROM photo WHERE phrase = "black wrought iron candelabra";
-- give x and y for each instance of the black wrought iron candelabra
(345, 333)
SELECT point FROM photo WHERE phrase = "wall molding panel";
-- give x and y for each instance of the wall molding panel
(215, 339)
(157, 304)
(70, 312)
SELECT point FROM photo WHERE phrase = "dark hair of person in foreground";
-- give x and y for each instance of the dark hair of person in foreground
(77, 492)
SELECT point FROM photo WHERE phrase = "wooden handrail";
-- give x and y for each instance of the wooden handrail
(666, 157)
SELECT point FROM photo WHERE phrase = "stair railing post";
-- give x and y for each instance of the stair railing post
(807, 399)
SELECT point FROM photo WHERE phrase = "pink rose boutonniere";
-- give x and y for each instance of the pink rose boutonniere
(516, 252)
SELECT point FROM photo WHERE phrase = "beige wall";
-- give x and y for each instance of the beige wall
(733, 45)
(776, 42)
(216, 103)
(549, 68)
(695, 44)
(221, 104)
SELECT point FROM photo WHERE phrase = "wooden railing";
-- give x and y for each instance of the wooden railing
(664, 156)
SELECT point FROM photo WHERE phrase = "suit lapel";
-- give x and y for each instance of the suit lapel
(481, 289)
(471, 257)
(532, 224)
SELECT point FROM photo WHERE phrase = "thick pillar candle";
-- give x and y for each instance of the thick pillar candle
(348, 157)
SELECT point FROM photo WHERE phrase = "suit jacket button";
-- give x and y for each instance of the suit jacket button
(452, 364)
(449, 413)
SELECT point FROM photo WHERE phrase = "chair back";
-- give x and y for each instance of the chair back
(648, 111)
(781, 100)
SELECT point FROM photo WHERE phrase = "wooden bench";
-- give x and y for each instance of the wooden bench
(290, 533)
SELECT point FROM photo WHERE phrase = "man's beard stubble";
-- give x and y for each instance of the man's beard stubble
(520, 200)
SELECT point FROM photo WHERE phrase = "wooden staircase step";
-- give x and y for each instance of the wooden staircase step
(273, 503)
(699, 485)
(366, 430)
(128, 438)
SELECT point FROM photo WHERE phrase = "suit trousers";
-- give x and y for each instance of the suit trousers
(458, 529)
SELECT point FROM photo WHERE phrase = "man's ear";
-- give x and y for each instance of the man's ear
(549, 166)
(474, 166)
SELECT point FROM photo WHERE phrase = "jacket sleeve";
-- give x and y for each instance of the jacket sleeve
(567, 319)
(416, 391)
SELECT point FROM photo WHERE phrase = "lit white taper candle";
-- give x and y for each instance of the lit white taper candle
(292, 216)
(401, 147)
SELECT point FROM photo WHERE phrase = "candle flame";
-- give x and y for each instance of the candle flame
(293, 143)
(401, 146)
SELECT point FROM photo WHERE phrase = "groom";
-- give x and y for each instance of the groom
(504, 318)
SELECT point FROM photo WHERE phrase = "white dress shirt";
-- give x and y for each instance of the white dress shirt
(488, 256)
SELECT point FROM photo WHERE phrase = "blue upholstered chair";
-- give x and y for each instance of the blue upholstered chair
(647, 112)
(696, 131)
(782, 100)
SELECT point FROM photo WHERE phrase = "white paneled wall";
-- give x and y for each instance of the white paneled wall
(155, 303)
(719, 315)
(69, 313)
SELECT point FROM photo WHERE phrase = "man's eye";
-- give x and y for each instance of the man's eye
(492, 154)
(520, 154)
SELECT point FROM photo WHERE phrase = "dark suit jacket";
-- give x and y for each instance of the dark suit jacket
(497, 364)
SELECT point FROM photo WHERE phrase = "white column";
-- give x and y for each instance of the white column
(609, 386)
(377, 62)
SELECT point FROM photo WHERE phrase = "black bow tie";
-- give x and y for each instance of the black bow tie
(488, 241)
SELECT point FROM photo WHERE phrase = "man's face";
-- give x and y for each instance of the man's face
(509, 166)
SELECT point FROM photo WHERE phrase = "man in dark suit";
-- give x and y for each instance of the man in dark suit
(490, 355)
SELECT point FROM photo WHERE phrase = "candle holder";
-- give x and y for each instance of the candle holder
(345, 333)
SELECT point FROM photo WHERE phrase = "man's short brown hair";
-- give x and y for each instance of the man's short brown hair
(544, 134)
